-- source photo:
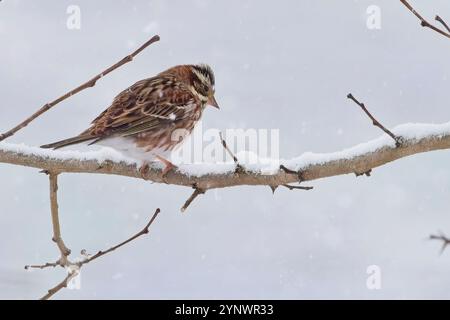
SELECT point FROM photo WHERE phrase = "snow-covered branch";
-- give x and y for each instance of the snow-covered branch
(416, 138)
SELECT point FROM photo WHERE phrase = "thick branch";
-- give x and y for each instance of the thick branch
(417, 138)
(88, 84)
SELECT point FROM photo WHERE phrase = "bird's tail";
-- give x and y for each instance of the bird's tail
(68, 142)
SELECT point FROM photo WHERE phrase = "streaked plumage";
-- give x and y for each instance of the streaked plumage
(142, 119)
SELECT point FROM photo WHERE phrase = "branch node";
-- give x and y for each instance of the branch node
(425, 23)
(366, 173)
(197, 191)
(443, 238)
(299, 173)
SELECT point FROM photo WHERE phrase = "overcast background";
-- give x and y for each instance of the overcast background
(284, 66)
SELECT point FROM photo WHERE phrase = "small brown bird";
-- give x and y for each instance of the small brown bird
(150, 118)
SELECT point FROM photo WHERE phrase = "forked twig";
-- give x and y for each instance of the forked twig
(73, 267)
(65, 252)
(90, 83)
(439, 19)
(398, 140)
(443, 238)
(425, 23)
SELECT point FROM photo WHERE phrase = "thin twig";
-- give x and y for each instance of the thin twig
(330, 165)
(224, 144)
(423, 22)
(74, 267)
(297, 187)
(43, 266)
(439, 19)
(239, 168)
(90, 83)
(61, 285)
(195, 194)
(443, 238)
(398, 140)
(137, 235)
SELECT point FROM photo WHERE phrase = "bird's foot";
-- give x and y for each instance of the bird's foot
(169, 166)
(143, 170)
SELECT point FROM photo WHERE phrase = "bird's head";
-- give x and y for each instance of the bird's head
(203, 83)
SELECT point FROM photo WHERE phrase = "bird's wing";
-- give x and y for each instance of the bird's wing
(148, 104)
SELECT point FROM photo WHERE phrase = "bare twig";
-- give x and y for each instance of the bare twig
(65, 252)
(145, 230)
(90, 83)
(43, 266)
(425, 23)
(297, 187)
(73, 268)
(61, 285)
(398, 140)
(197, 191)
(443, 238)
(439, 19)
(239, 168)
(224, 144)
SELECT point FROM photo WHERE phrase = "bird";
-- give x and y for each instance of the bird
(148, 120)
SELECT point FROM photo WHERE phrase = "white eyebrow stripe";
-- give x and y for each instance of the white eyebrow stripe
(200, 75)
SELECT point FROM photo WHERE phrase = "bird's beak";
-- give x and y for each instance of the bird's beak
(212, 102)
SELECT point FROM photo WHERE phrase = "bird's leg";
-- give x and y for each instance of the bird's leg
(143, 170)
(168, 167)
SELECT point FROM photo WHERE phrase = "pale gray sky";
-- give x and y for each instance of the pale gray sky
(286, 66)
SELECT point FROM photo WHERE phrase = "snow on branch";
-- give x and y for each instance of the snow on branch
(416, 138)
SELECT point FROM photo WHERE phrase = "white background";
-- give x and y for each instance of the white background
(287, 65)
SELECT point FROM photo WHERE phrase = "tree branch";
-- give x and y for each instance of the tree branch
(73, 268)
(101, 253)
(89, 84)
(63, 284)
(441, 21)
(64, 251)
(417, 138)
(425, 23)
(195, 194)
(441, 237)
(375, 122)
